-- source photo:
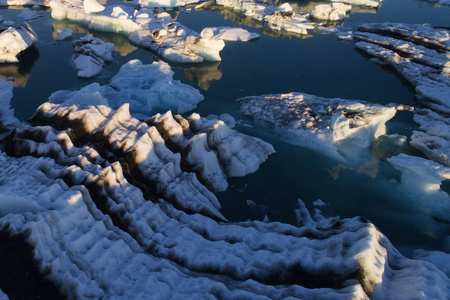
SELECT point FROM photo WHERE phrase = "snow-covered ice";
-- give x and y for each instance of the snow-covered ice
(92, 6)
(332, 12)
(342, 129)
(63, 34)
(421, 54)
(14, 40)
(233, 34)
(127, 222)
(166, 3)
(147, 88)
(90, 55)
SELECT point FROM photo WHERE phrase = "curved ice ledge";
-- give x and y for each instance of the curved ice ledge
(421, 54)
(342, 129)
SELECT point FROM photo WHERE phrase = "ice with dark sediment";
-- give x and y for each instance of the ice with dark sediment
(421, 54)
(90, 55)
(14, 40)
(108, 212)
(340, 128)
(147, 29)
(147, 88)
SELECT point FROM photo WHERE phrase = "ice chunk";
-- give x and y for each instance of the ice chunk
(147, 88)
(337, 127)
(90, 55)
(92, 6)
(369, 3)
(438, 258)
(215, 151)
(233, 34)
(332, 12)
(14, 40)
(7, 119)
(166, 3)
(64, 34)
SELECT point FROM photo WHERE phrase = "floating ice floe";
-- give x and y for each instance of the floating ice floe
(166, 3)
(90, 55)
(332, 12)
(369, 3)
(147, 88)
(281, 19)
(421, 180)
(28, 14)
(14, 40)
(233, 34)
(111, 214)
(92, 7)
(64, 34)
(421, 54)
(342, 129)
(156, 32)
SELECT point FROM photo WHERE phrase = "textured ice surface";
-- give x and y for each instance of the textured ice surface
(233, 34)
(156, 32)
(421, 54)
(14, 40)
(7, 119)
(90, 55)
(211, 148)
(116, 217)
(92, 6)
(337, 127)
(147, 88)
(332, 12)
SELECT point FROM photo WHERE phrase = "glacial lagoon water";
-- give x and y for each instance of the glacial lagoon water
(318, 64)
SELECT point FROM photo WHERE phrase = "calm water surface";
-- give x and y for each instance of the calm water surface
(318, 64)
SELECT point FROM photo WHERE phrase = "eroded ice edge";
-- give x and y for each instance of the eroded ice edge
(111, 209)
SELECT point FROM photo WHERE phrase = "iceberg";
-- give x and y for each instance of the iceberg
(421, 54)
(90, 55)
(342, 129)
(233, 34)
(14, 40)
(331, 12)
(147, 88)
(115, 216)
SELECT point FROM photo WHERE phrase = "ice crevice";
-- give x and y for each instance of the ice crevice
(97, 233)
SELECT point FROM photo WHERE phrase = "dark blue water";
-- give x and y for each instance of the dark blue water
(319, 64)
